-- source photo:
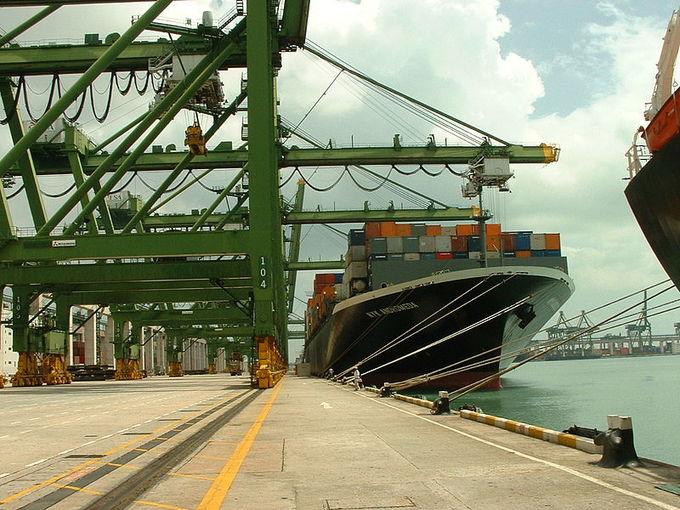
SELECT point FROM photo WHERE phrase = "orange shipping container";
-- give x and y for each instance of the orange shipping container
(552, 241)
(434, 230)
(493, 242)
(508, 241)
(467, 230)
(388, 229)
(404, 230)
(372, 229)
(493, 229)
(523, 254)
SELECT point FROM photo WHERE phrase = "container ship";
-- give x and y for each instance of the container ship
(653, 191)
(400, 279)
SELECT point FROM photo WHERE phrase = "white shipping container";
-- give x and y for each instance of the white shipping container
(356, 253)
(342, 290)
(395, 245)
(493, 255)
(427, 244)
(411, 256)
(357, 270)
(442, 244)
(537, 241)
(476, 255)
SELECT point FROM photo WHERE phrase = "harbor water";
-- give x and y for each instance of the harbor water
(558, 394)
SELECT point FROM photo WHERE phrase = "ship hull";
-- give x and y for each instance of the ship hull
(654, 197)
(361, 325)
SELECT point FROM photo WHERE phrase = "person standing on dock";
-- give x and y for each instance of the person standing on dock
(357, 379)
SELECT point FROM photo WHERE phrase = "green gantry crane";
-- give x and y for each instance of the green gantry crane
(238, 282)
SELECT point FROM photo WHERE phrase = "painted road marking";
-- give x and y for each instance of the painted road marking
(89, 463)
(220, 488)
(565, 469)
(36, 462)
(326, 405)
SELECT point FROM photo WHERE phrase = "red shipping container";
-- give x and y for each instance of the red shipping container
(434, 230)
(459, 243)
(552, 241)
(372, 229)
(443, 256)
(404, 230)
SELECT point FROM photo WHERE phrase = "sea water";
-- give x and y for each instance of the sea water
(558, 394)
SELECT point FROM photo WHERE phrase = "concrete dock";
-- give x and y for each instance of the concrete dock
(306, 444)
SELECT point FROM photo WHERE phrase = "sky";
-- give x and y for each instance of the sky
(576, 74)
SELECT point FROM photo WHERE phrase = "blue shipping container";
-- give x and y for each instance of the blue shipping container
(553, 253)
(338, 277)
(427, 256)
(523, 242)
(461, 256)
(538, 253)
(474, 243)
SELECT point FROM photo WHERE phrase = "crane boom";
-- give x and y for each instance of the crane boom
(663, 88)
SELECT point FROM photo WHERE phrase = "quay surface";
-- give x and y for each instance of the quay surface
(305, 444)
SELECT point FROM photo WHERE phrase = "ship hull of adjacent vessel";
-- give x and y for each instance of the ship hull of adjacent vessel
(363, 324)
(654, 198)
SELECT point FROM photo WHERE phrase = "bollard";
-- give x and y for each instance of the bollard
(386, 391)
(617, 443)
(441, 405)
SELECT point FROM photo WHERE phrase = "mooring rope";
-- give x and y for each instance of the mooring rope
(471, 387)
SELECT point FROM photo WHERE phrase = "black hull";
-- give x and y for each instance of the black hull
(361, 325)
(654, 197)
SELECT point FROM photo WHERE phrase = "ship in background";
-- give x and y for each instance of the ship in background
(400, 278)
(654, 167)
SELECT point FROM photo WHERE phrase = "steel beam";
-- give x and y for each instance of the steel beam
(127, 246)
(366, 156)
(154, 296)
(22, 27)
(319, 265)
(172, 317)
(105, 275)
(80, 85)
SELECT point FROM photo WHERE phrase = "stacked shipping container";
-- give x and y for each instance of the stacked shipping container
(388, 240)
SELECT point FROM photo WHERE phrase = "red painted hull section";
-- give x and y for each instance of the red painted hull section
(665, 125)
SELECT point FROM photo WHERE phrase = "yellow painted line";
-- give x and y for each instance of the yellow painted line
(197, 477)
(160, 505)
(218, 490)
(78, 489)
(77, 468)
(210, 457)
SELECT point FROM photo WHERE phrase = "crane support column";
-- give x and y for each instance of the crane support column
(126, 351)
(174, 352)
(211, 354)
(28, 346)
(56, 347)
(266, 255)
